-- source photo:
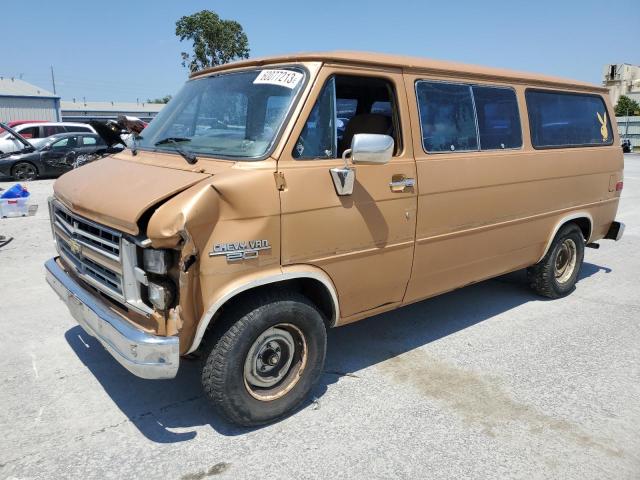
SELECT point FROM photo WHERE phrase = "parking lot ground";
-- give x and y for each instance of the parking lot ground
(489, 381)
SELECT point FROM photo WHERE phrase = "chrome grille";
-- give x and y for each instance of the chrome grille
(104, 258)
(86, 267)
(96, 237)
(90, 249)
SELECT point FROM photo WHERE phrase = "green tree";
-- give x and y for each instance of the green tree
(215, 41)
(624, 105)
(164, 99)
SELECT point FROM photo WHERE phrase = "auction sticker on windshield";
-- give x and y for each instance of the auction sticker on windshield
(282, 78)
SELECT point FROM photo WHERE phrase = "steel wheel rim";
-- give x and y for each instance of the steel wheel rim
(24, 171)
(565, 262)
(275, 362)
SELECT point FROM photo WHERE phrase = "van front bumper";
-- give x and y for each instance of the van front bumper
(144, 355)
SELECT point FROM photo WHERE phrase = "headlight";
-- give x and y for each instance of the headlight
(161, 295)
(155, 261)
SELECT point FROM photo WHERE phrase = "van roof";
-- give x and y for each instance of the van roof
(407, 64)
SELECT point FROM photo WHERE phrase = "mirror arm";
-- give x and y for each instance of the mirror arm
(345, 156)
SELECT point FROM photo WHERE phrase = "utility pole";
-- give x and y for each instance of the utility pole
(53, 80)
(626, 128)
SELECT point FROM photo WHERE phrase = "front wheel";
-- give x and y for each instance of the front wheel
(556, 274)
(24, 171)
(268, 353)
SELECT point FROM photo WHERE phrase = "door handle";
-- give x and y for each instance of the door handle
(400, 183)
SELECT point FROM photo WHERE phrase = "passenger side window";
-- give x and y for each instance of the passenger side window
(561, 119)
(446, 117)
(347, 106)
(498, 118)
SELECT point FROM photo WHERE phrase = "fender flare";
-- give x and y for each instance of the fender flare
(561, 222)
(286, 273)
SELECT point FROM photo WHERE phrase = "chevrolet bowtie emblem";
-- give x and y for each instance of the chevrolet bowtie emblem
(76, 248)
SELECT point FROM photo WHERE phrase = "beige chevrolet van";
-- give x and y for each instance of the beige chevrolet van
(275, 198)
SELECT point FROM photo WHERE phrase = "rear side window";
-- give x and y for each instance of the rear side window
(498, 118)
(88, 141)
(458, 117)
(49, 130)
(567, 120)
(446, 117)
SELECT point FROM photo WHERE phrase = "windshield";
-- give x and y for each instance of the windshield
(228, 115)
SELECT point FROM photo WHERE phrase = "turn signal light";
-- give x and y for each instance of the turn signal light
(619, 186)
(161, 295)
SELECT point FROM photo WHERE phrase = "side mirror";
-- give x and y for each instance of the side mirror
(366, 149)
(371, 149)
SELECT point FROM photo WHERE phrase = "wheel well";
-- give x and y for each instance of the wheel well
(311, 288)
(25, 161)
(585, 226)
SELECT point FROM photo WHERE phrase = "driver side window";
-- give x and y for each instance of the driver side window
(348, 105)
(65, 143)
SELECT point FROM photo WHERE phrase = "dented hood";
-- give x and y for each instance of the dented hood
(117, 192)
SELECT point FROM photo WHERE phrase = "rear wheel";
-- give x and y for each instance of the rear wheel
(556, 274)
(266, 356)
(24, 171)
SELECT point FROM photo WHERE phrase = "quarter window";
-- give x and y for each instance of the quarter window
(498, 118)
(318, 137)
(567, 120)
(446, 117)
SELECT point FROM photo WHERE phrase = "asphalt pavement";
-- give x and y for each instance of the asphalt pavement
(489, 381)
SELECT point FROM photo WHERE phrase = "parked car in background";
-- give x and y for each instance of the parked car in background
(626, 146)
(55, 156)
(15, 123)
(33, 132)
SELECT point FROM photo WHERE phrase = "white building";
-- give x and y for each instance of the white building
(85, 111)
(20, 100)
(622, 79)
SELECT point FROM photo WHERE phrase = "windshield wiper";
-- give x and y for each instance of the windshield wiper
(188, 156)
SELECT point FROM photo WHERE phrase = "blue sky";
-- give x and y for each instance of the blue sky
(123, 50)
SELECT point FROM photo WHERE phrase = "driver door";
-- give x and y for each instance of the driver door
(363, 241)
(60, 155)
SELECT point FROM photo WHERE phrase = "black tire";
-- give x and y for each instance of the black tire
(24, 171)
(547, 277)
(236, 351)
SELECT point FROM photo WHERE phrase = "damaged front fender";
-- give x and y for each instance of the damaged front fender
(237, 206)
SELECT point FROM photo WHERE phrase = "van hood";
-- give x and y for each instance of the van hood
(116, 192)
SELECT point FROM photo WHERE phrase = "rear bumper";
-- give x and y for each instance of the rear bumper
(144, 355)
(616, 230)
